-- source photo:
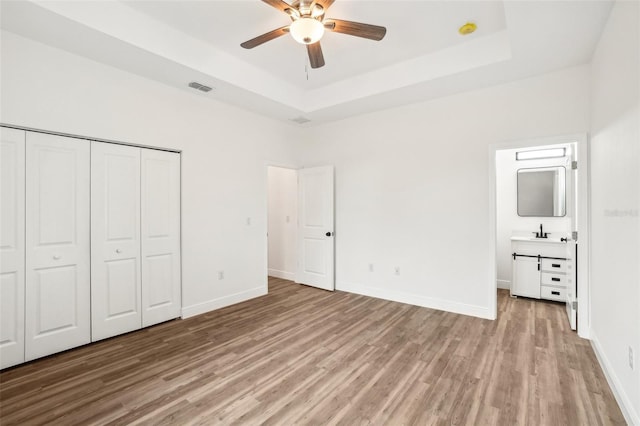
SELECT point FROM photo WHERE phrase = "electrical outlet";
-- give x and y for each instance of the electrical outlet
(397, 270)
(287, 219)
(221, 275)
(631, 357)
(248, 221)
(371, 267)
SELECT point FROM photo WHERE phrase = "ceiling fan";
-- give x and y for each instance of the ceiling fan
(309, 24)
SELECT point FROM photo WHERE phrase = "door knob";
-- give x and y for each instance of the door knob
(56, 257)
(328, 234)
(118, 251)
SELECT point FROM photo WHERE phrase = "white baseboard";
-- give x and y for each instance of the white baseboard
(291, 276)
(505, 284)
(211, 305)
(412, 299)
(628, 411)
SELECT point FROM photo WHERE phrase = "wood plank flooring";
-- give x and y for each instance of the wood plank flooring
(305, 356)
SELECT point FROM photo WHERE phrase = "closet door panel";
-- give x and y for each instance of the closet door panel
(161, 288)
(115, 240)
(51, 290)
(12, 262)
(57, 244)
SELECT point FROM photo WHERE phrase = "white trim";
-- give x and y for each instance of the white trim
(87, 138)
(504, 284)
(539, 142)
(493, 229)
(211, 305)
(413, 299)
(584, 237)
(630, 415)
(280, 165)
(582, 140)
(291, 276)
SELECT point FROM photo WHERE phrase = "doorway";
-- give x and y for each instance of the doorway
(507, 221)
(282, 219)
(300, 225)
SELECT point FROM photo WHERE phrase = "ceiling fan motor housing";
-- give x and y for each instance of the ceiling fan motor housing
(308, 8)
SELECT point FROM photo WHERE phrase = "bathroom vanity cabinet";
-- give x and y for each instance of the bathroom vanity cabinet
(540, 268)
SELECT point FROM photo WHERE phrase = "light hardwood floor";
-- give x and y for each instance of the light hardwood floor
(305, 356)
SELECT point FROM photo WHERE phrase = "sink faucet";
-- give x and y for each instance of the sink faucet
(541, 234)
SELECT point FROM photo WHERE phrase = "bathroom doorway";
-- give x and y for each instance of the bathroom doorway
(516, 166)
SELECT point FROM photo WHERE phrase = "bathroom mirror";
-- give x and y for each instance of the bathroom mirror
(541, 192)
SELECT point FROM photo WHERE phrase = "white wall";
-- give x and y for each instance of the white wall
(507, 217)
(223, 159)
(412, 186)
(283, 220)
(615, 206)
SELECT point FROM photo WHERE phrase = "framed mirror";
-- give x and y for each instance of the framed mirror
(542, 192)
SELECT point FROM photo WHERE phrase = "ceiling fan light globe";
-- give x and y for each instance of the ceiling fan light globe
(306, 30)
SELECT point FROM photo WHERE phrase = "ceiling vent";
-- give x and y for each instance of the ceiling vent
(300, 120)
(200, 87)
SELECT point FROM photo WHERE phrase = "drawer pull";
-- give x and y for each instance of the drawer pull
(555, 265)
(555, 293)
(555, 279)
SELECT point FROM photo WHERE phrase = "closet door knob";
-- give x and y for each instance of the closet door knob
(118, 251)
(56, 257)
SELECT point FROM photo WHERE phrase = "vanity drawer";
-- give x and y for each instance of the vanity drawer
(549, 278)
(552, 293)
(553, 265)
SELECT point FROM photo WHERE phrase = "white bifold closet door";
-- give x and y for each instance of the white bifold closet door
(161, 290)
(12, 176)
(116, 274)
(135, 238)
(57, 313)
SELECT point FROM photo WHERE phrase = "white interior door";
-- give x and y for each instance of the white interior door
(57, 244)
(571, 246)
(161, 288)
(115, 240)
(316, 228)
(12, 285)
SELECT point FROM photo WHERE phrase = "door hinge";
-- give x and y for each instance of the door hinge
(574, 235)
(574, 305)
(574, 165)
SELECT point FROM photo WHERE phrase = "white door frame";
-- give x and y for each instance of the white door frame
(583, 212)
(268, 164)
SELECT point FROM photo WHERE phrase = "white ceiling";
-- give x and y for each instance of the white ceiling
(421, 57)
(225, 25)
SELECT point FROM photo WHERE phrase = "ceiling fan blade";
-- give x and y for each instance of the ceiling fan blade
(254, 42)
(315, 55)
(372, 32)
(278, 4)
